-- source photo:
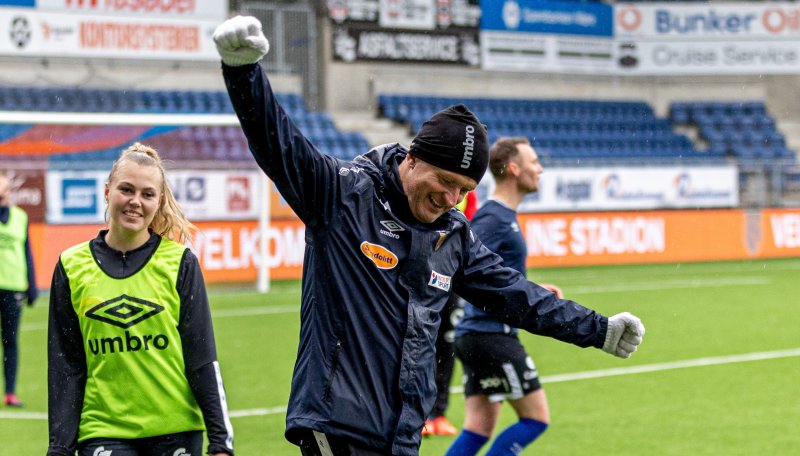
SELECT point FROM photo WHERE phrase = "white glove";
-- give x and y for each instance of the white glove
(240, 41)
(624, 335)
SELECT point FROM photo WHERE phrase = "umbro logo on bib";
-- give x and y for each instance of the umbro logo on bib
(124, 311)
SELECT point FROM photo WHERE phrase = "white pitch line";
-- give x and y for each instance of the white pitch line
(699, 362)
(23, 415)
(259, 411)
(672, 285)
(33, 326)
(677, 272)
(601, 373)
(248, 311)
(645, 368)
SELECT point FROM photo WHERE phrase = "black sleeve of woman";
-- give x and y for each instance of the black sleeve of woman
(66, 368)
(200, 355)
(32, 291)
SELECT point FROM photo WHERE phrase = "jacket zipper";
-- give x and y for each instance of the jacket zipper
(332, 372)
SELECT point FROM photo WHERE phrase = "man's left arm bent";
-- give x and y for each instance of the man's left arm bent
(507, 295)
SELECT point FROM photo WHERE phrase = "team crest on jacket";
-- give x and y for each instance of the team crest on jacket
(442, 237)
(439, 281)
(380, 255)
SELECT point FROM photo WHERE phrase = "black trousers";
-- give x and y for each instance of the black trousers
(318, 444)
(445, 353)
(10, 313)
(181, 444)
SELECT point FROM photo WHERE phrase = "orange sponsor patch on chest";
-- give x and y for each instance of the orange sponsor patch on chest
(380, 255)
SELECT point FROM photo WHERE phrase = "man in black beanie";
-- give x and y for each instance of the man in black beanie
(452, 148)
(454, 139)
(384, 251)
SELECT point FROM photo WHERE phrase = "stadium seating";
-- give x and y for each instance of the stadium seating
(68, 99)
(566, 131)
(206, 143)
(742, 130)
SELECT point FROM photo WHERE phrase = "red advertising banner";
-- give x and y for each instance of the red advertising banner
(659, 236)
(229, 251)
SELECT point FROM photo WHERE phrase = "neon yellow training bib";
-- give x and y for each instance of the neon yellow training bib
(13, 257)
(136, 385)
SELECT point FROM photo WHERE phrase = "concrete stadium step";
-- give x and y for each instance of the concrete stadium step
(791, 131)
(376, 130)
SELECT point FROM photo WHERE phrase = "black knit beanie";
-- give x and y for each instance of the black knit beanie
(453, 139)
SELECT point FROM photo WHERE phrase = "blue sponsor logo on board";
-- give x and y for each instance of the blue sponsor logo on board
(550, 17)
(79, 196)
(18, 3)
(574, 190)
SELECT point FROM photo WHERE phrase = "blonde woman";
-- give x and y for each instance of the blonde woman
(132, 364)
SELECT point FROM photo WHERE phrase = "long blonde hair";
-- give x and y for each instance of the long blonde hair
(169, 221)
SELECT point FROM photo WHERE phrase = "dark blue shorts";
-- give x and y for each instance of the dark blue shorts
(497, 366)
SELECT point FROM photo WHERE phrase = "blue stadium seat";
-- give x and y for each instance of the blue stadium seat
(576, 127)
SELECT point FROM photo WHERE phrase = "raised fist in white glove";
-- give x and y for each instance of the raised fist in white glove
(240, 41)
(624, 335)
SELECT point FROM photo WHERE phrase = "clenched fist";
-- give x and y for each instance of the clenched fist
(240, 41)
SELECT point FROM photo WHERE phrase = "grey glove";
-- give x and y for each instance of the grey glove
(624, 335)
(240, 41)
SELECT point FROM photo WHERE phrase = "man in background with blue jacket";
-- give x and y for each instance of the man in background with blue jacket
(496, 365)
(384, 251)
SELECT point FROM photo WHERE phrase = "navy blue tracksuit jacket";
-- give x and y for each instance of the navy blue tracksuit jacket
(374, 281)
